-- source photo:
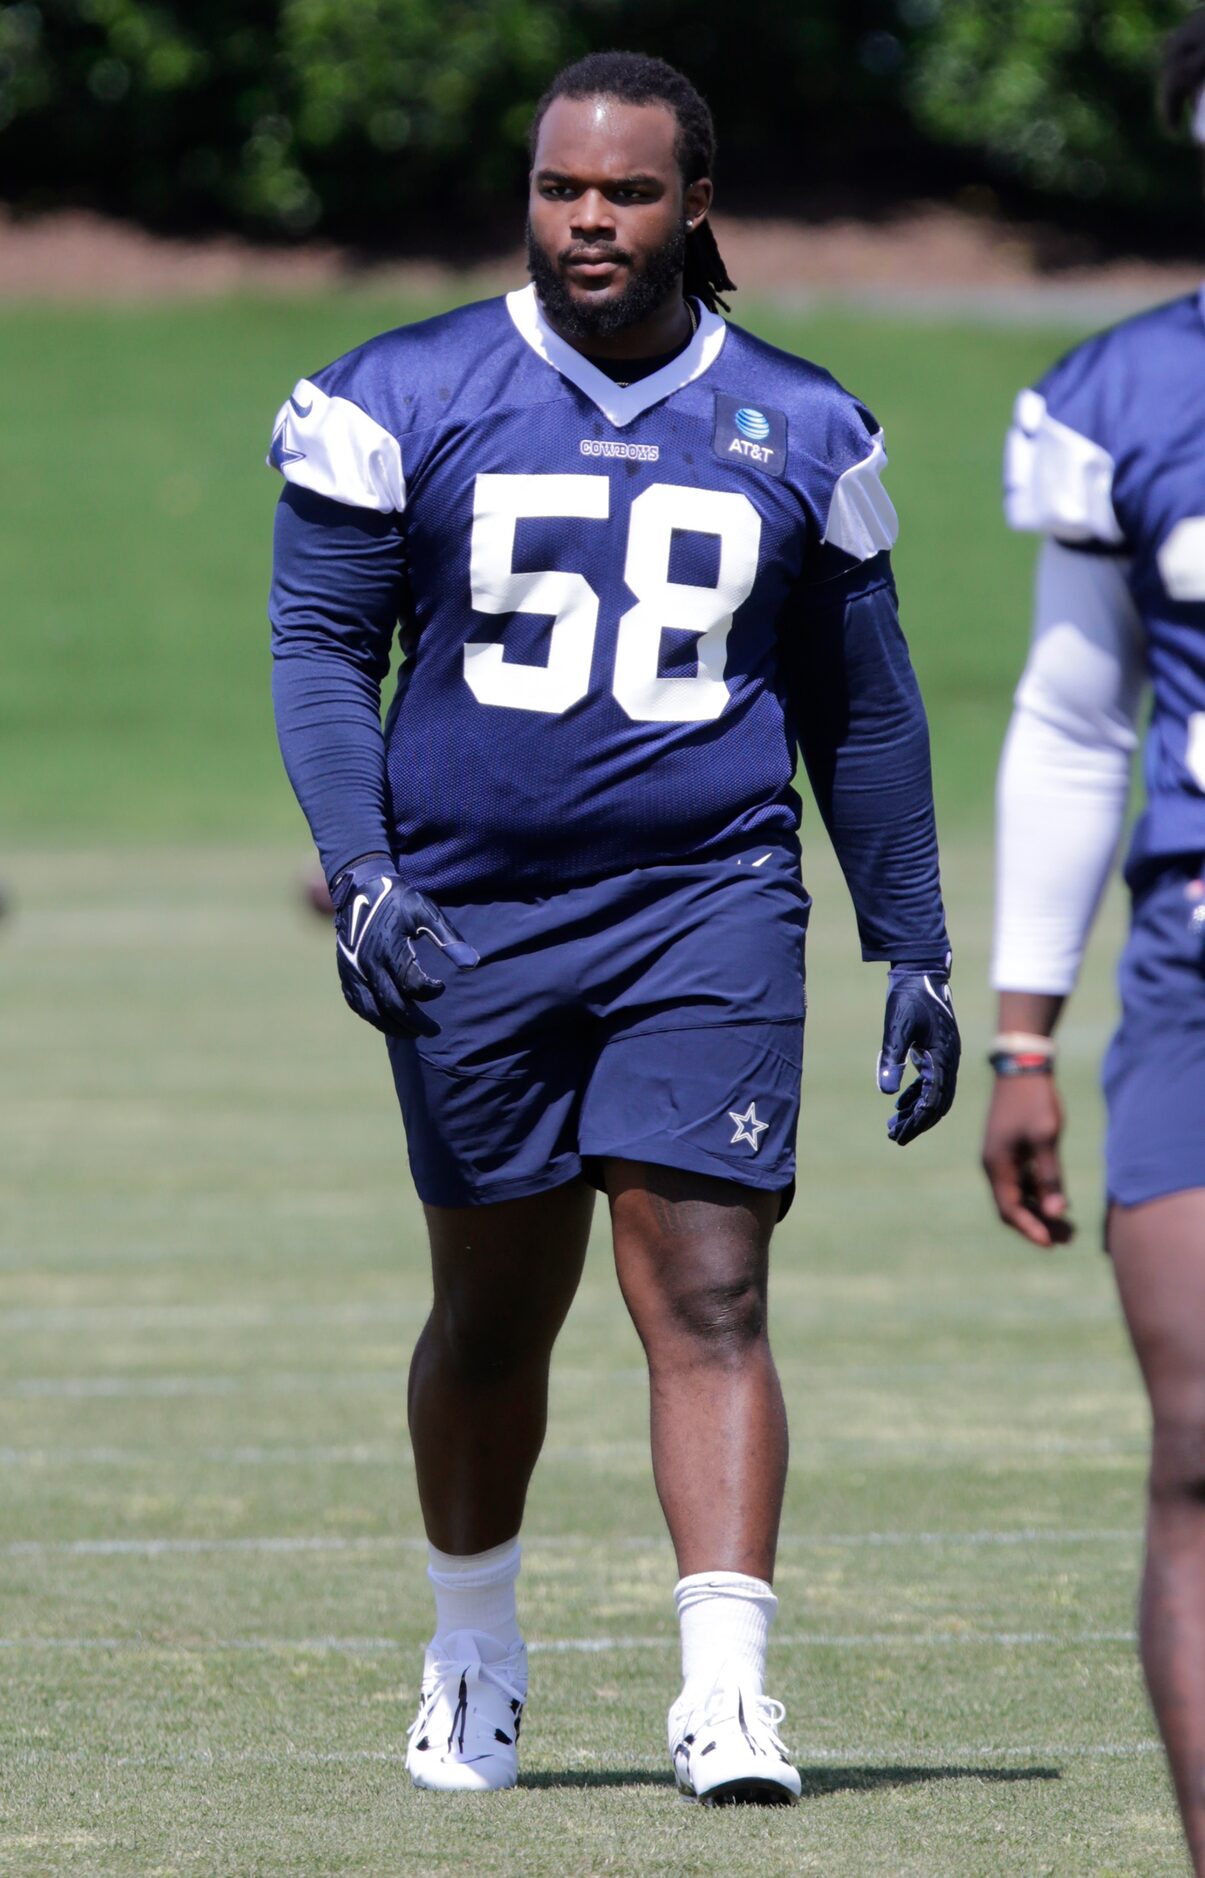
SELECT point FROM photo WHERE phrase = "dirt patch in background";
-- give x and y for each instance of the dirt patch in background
(922, 250)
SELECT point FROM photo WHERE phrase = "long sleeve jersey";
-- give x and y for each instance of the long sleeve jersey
(621, 611)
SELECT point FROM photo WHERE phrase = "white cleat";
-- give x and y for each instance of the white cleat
(465, 1736)
(725, 1747)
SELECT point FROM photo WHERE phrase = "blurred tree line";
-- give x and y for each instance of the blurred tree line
(385, 120)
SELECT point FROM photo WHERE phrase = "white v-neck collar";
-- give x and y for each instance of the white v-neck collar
(619, 403)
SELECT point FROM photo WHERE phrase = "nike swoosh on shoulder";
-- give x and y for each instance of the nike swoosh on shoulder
(302, 410)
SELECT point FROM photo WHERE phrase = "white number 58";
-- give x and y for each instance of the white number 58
(662, 604)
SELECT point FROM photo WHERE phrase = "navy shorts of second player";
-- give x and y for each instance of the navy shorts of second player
(656, 1016)
(1154, 1073)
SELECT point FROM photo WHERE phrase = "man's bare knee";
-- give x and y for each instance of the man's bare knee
(1177, 1473)
(720, 1320)
(482, 1347)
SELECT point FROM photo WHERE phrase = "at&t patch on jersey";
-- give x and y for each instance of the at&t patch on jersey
(752, 433)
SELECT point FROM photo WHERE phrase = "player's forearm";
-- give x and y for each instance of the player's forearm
(1028, 1013)
(334, 607)
(1065, 769)
(1060, 810)
(329, 728)
(891, 868)
(865, 741)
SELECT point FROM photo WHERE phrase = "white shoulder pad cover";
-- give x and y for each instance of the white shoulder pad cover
(331, 446)
(1057, 482)
(861, 517)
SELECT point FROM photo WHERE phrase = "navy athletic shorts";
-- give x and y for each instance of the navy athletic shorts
(1154, 1072)
(656, 1016)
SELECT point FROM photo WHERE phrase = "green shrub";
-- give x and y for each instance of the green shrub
(1055, 94)
(280, 115)
(386, 119)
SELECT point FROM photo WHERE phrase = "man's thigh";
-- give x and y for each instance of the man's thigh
(511, 1268)
(1158, 1252)
(695, 1226)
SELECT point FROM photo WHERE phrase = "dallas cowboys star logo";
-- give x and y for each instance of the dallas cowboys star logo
(748, 1128)
(282, 451)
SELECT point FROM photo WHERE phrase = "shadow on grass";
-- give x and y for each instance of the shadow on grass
(817, 1781)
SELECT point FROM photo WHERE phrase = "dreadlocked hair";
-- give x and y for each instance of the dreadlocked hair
(634, 78)
(1182, 71)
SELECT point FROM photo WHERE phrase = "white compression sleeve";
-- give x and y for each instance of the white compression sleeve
(1064, 773)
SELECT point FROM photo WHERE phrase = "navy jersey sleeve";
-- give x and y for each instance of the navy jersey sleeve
(865, 741)
(337, 587)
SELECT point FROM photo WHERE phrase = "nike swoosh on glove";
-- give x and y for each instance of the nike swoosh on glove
(377, 919)
(919, 1023)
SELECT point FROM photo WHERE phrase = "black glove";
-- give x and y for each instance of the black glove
(919, 1023)
(377, 919)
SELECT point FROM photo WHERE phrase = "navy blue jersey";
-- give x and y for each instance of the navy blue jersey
(1108, 454)
(602, 591)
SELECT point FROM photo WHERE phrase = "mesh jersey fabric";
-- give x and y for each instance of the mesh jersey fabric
(1107, 455)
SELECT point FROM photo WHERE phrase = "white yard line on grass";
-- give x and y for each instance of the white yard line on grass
(1007, 1535)
(263, 1382)
(353, 1454)
(896, 1755)
(260, 1316)
(203, 1316)
(867, 1640)
(910, 1755)
(162, 1548)
(356, 1454)
(280, 1381)
(393, 1542)
(809, 1321)
(581, 1646)
(968, 1443)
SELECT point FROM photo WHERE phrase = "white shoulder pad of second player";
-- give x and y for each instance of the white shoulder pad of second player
(1057, 481)
(333, 447)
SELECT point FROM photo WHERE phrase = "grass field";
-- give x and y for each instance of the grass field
(211, 1261)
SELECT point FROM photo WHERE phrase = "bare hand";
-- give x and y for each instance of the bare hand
(1021, 1158)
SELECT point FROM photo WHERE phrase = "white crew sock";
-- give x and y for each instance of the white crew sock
(477, 1592)
(725, 1617)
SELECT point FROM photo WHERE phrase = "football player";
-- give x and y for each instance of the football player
(637, 558)
(1106, 461)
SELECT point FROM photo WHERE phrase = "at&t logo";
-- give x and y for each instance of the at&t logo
(752, 424)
